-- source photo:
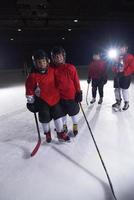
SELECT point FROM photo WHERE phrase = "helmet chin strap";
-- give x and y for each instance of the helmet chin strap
(42, 71)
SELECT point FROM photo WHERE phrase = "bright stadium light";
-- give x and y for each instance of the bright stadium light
(112, 53)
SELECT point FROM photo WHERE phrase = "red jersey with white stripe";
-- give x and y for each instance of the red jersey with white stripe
(67, 80)
(46, 84)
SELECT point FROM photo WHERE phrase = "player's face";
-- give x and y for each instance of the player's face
(123, 50)
(42, 63)
(96, 57)
(58, 59)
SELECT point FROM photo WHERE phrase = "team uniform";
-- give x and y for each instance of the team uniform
(69, 86)
(123, 70)
(68, 83)
(47, 99)
(97, 73)
(48, 104)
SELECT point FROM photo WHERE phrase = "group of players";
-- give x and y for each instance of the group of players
(123, 68)
(53, 88)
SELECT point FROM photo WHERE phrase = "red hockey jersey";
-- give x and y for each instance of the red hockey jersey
(128, 62)
(97, 69)
(46, 83)
(67, 81)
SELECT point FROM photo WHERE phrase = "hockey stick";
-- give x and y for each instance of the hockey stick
(87, 94)
(102, 162)
(39, 137)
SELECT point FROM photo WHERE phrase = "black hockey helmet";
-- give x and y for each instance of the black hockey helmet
(123, 44)
(58, 50)
(39, 54)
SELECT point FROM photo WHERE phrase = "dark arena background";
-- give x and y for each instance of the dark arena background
(65, 171)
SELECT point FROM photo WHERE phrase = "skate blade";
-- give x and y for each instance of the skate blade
(117, 109)
(61, 140)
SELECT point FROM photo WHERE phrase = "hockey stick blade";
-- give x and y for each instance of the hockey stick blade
(36, 148)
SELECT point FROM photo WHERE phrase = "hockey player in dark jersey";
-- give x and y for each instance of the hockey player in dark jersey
(123, 68)
(97, 73)
(43, 96)
(69, 86)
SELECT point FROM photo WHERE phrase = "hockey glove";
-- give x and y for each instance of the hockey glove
(32, 107)
(78, 96)
(104, 79)
(88, 80)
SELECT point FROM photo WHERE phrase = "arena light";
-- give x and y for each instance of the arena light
(112, 53)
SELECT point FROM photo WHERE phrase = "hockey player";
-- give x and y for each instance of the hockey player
(123, 68)
(69, 86)
(97, 73)
(43, 96)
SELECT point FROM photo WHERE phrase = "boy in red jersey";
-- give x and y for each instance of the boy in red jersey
(97, 73)
(69, 86)
(123, 68)
(43, 96)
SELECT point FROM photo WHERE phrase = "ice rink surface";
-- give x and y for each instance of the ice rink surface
(66, 171)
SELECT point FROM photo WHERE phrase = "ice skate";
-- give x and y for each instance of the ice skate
(116, 109)
(63, 137)
(126, 105)
(100, 100)
(93, 101)
(116, 106)
(118, 102)
(48, 137)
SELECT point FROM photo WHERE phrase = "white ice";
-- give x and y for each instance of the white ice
(66, 171)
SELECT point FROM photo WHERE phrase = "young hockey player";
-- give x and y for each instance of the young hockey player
(69, 86)
(123, 68)
(43, 96)
(97, 73)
